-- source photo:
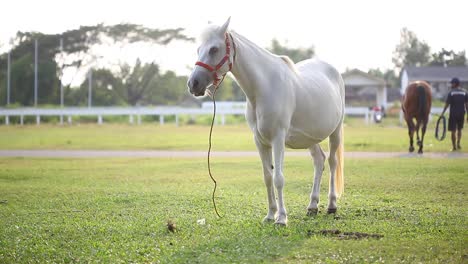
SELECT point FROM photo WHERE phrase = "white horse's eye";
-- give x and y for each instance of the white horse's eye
(213, 50)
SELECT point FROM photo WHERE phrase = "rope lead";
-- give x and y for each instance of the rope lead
(444, 130)
(209, 152)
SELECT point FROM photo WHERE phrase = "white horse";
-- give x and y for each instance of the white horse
(297, 106)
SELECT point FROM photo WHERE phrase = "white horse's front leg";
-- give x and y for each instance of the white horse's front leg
(265, 155)
(278, 153)
(319, 161)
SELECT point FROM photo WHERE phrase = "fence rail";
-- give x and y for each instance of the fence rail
(137, 112)
(100, 112)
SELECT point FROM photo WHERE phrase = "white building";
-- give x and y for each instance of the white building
(437, 76)
(361, 86)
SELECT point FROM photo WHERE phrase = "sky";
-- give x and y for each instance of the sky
(348, 34)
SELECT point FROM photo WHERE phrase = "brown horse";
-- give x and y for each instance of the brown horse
(416, 104)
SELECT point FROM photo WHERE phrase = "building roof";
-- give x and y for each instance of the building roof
(437, 73)
(358, 77)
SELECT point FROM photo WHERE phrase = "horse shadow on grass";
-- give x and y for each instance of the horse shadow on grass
(229, 240)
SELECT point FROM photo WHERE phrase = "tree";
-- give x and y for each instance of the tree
(22, 77)
(136, 81)
(168, 89)
(104, 87)
(141, 84)
(389, 76)
(295, 54)
(410, 51)
(448, 58)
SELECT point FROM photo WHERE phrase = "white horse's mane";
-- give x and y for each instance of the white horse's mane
(289, 62)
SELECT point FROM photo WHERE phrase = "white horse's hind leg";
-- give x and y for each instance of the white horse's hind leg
(334, 143)
(265, 155)
(319, 162)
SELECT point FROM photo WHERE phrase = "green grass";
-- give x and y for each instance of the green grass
(116, 210)
(118, 136)
(358, 137)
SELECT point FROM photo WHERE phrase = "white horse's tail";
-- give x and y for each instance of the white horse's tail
(339, 173)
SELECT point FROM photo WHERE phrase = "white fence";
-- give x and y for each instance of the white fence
(132, 112)
(135, 113)
(434, 111)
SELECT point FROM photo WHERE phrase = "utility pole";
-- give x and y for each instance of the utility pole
(35, 73)
(61, 73)
(8, 77)
(90, 86)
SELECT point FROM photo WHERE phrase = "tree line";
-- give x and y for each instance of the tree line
(145, 83)
(411, 51)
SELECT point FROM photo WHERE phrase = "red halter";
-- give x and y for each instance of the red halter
(227, 57)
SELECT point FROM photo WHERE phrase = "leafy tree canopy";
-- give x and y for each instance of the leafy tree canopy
(388, 75)
(295, 54)
(448, 58)
(410, 51)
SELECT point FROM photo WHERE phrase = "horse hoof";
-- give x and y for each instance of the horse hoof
(282, 220)
(331, 211)
(280, 223)
(420, 151)
(312, 212)
(267, 220)
(411, 149)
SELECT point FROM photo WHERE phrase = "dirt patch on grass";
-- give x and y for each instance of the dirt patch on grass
(344, 235)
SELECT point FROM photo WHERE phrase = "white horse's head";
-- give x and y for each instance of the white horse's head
(214, 59)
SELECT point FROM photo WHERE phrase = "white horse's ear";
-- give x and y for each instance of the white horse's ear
(224, 27)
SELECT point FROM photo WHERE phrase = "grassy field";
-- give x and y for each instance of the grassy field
(358, 137)
(116, 210)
